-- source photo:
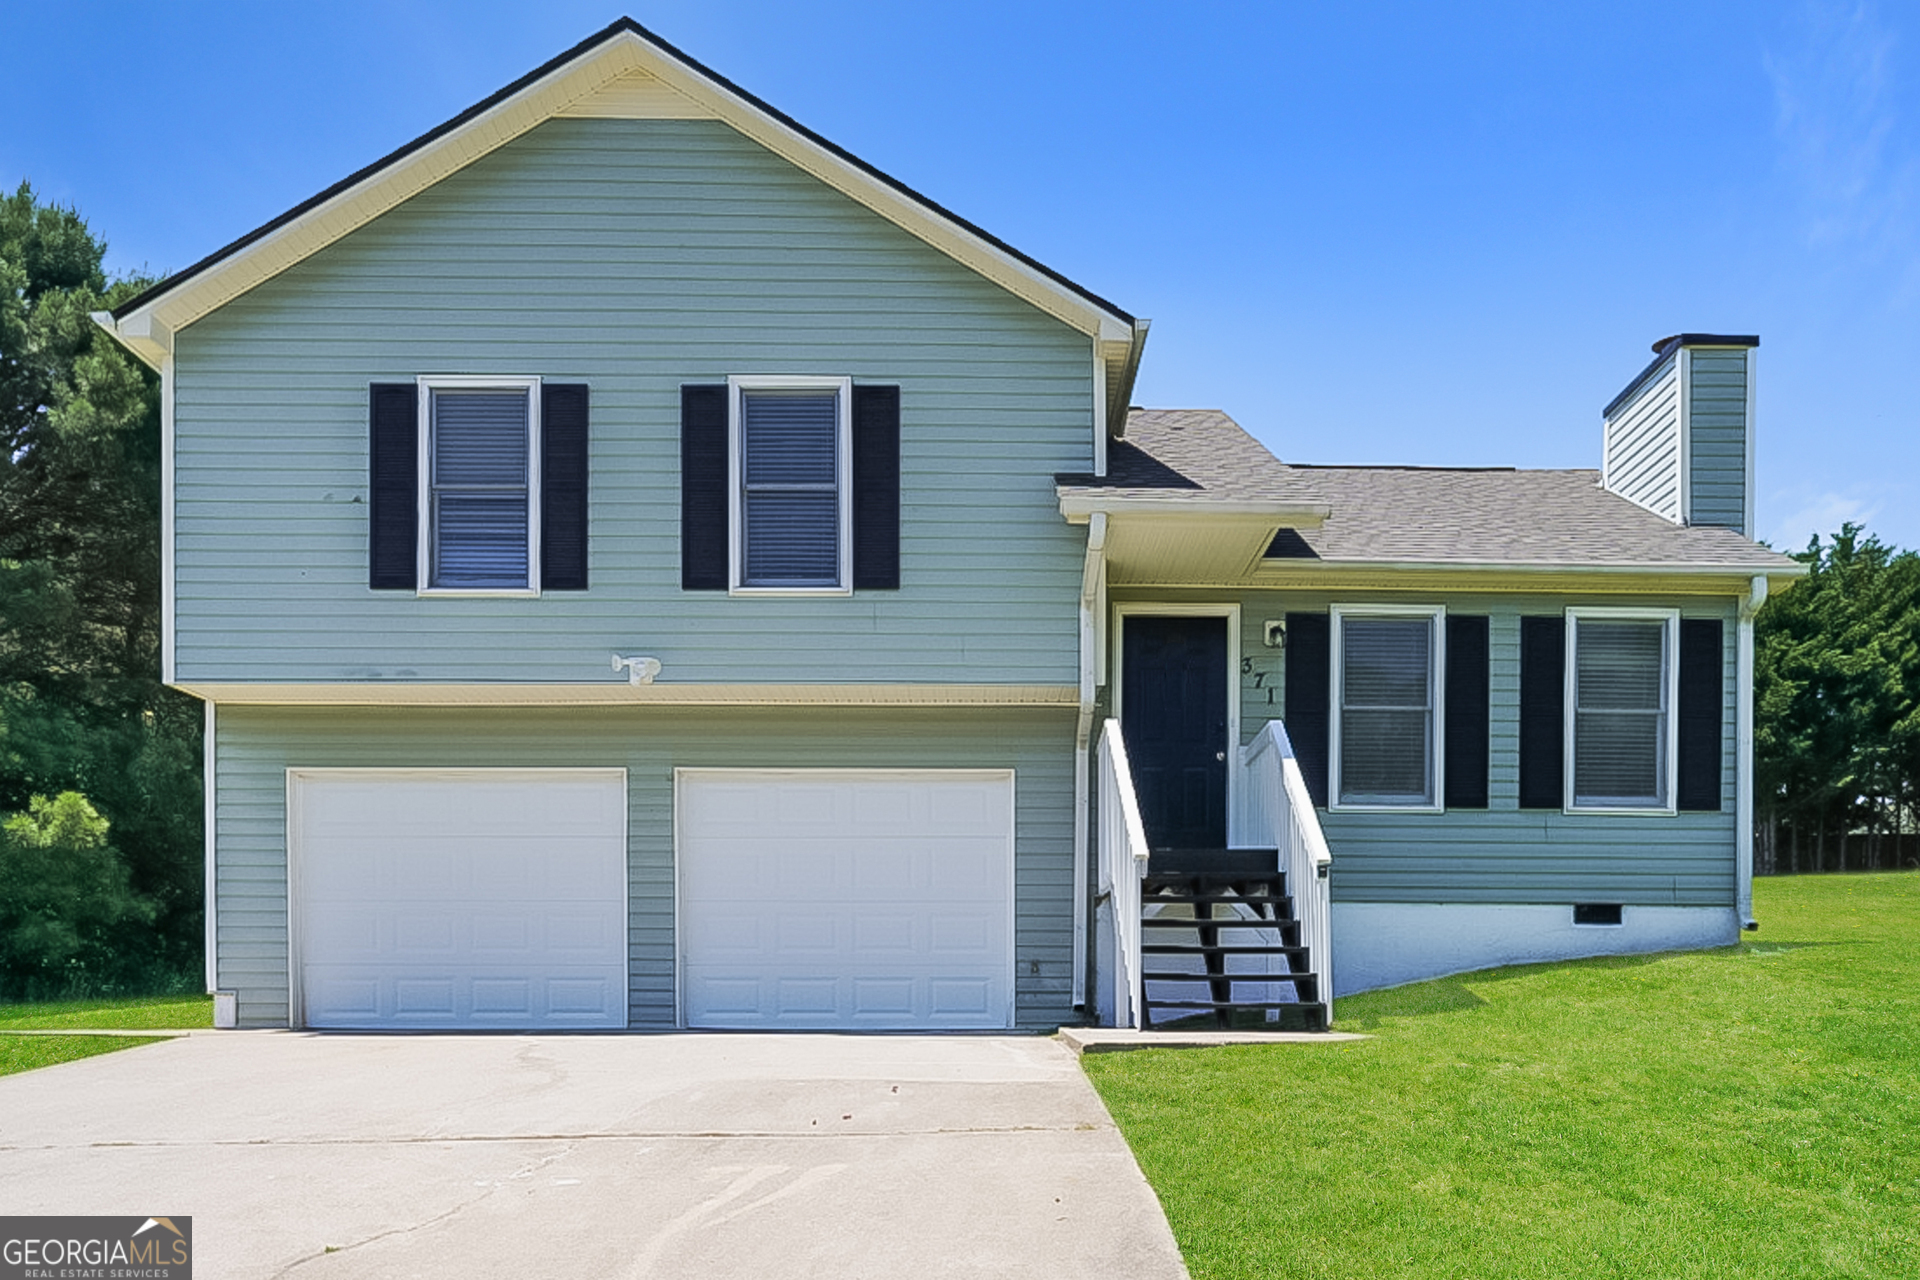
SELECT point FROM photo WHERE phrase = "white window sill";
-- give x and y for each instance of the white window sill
(777, 592)
(1627, 811)
(479, 593)
(1355, 806)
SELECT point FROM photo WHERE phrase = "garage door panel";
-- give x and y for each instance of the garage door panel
(448, 900)
(840, 901)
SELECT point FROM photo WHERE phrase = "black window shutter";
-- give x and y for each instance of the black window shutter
(1702, 713)
(1543, 698)
(563, 487)
(393, 486)
(1466, 727)
(876, 488)
(1309, 667)
(703, 488)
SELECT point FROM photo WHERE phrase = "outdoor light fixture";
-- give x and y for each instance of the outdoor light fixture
(640, 670)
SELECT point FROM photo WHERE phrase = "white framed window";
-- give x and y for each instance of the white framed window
(1385, 743)
(790, 516)
(479, 506)
(1622, 686)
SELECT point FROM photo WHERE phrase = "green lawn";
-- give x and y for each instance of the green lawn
(24, 1053)
(147, 1013)
(1753, 1111)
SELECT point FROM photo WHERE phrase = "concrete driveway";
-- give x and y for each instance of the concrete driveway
(559, 1156)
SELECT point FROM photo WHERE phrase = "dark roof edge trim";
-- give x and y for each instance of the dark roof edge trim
(1665, 348)
(627, 25)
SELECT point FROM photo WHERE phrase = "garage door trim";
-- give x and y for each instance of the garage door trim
(682, 775)
(296, 994)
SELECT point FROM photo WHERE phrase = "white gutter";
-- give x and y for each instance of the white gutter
(1791, 569)
(1078, 508)
(1743, 755)
(1091, 583)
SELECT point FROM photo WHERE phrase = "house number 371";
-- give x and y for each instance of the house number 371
(1257, 677)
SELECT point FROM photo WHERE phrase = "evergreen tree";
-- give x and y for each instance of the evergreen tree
(81, 706)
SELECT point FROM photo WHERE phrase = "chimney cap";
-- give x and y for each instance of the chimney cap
(1664, 345)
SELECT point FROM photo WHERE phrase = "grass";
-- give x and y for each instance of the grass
(1752, 1111)
(24, 1053)
(145, 1013)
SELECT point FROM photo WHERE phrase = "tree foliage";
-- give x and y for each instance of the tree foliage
(67, 904)
(81, 706)
(1837, 707)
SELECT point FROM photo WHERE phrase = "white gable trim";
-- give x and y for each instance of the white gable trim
(608, 74)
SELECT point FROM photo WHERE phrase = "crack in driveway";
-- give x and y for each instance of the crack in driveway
(331, 1251)
(624, 1135)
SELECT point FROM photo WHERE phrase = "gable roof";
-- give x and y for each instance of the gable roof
(624, 70)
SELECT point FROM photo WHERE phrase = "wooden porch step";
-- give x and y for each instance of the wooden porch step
(1289, 976)
(1171, 861)
(1305, 1015)
(1216, 949)
(1263, 890)
(1215, 922)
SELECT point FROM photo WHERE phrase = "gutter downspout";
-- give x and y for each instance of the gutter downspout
(1091, 579)
(1743, 748)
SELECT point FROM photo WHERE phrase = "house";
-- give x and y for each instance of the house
(645, 567)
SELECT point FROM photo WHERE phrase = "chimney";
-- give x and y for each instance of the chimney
(1679, 439)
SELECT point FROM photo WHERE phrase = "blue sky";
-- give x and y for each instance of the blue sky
(1392, 233)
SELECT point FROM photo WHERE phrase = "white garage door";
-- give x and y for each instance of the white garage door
(475, 898)
(858, 899)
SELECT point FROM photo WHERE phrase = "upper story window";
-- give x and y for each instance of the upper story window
(1621, 687)
(1387, 704)
(480, 485)
(791, 511)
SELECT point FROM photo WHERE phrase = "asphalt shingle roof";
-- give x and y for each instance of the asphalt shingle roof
(1410, 515)
(1200, 454)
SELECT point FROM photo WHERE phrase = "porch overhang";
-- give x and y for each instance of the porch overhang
(1158, 539)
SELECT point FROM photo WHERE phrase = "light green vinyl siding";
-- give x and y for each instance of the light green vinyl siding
(1502, 854)
(1717, 421)
(257, 745)
(1643, 444)
(634, 256)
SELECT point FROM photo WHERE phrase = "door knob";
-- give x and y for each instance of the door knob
(1219, 755)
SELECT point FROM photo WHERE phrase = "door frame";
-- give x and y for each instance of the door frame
(685, 774)
(295, 774)
(1230, 610)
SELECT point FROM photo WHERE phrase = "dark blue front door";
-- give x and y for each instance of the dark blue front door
(1173, 714)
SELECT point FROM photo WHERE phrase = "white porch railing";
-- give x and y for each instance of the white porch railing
(1279, 810)
(1123, 863)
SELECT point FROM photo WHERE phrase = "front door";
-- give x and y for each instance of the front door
(1173, 714)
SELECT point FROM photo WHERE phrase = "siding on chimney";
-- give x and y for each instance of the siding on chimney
(1643, 444)
(1717, 423)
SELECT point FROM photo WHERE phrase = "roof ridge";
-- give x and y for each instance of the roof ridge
(620, 26)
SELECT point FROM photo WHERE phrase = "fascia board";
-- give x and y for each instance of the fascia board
(387, 186)
(926, 224)
(1745, 572)
(231, 272)
(1708, 579)
(1079, 508)
(622, 693)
